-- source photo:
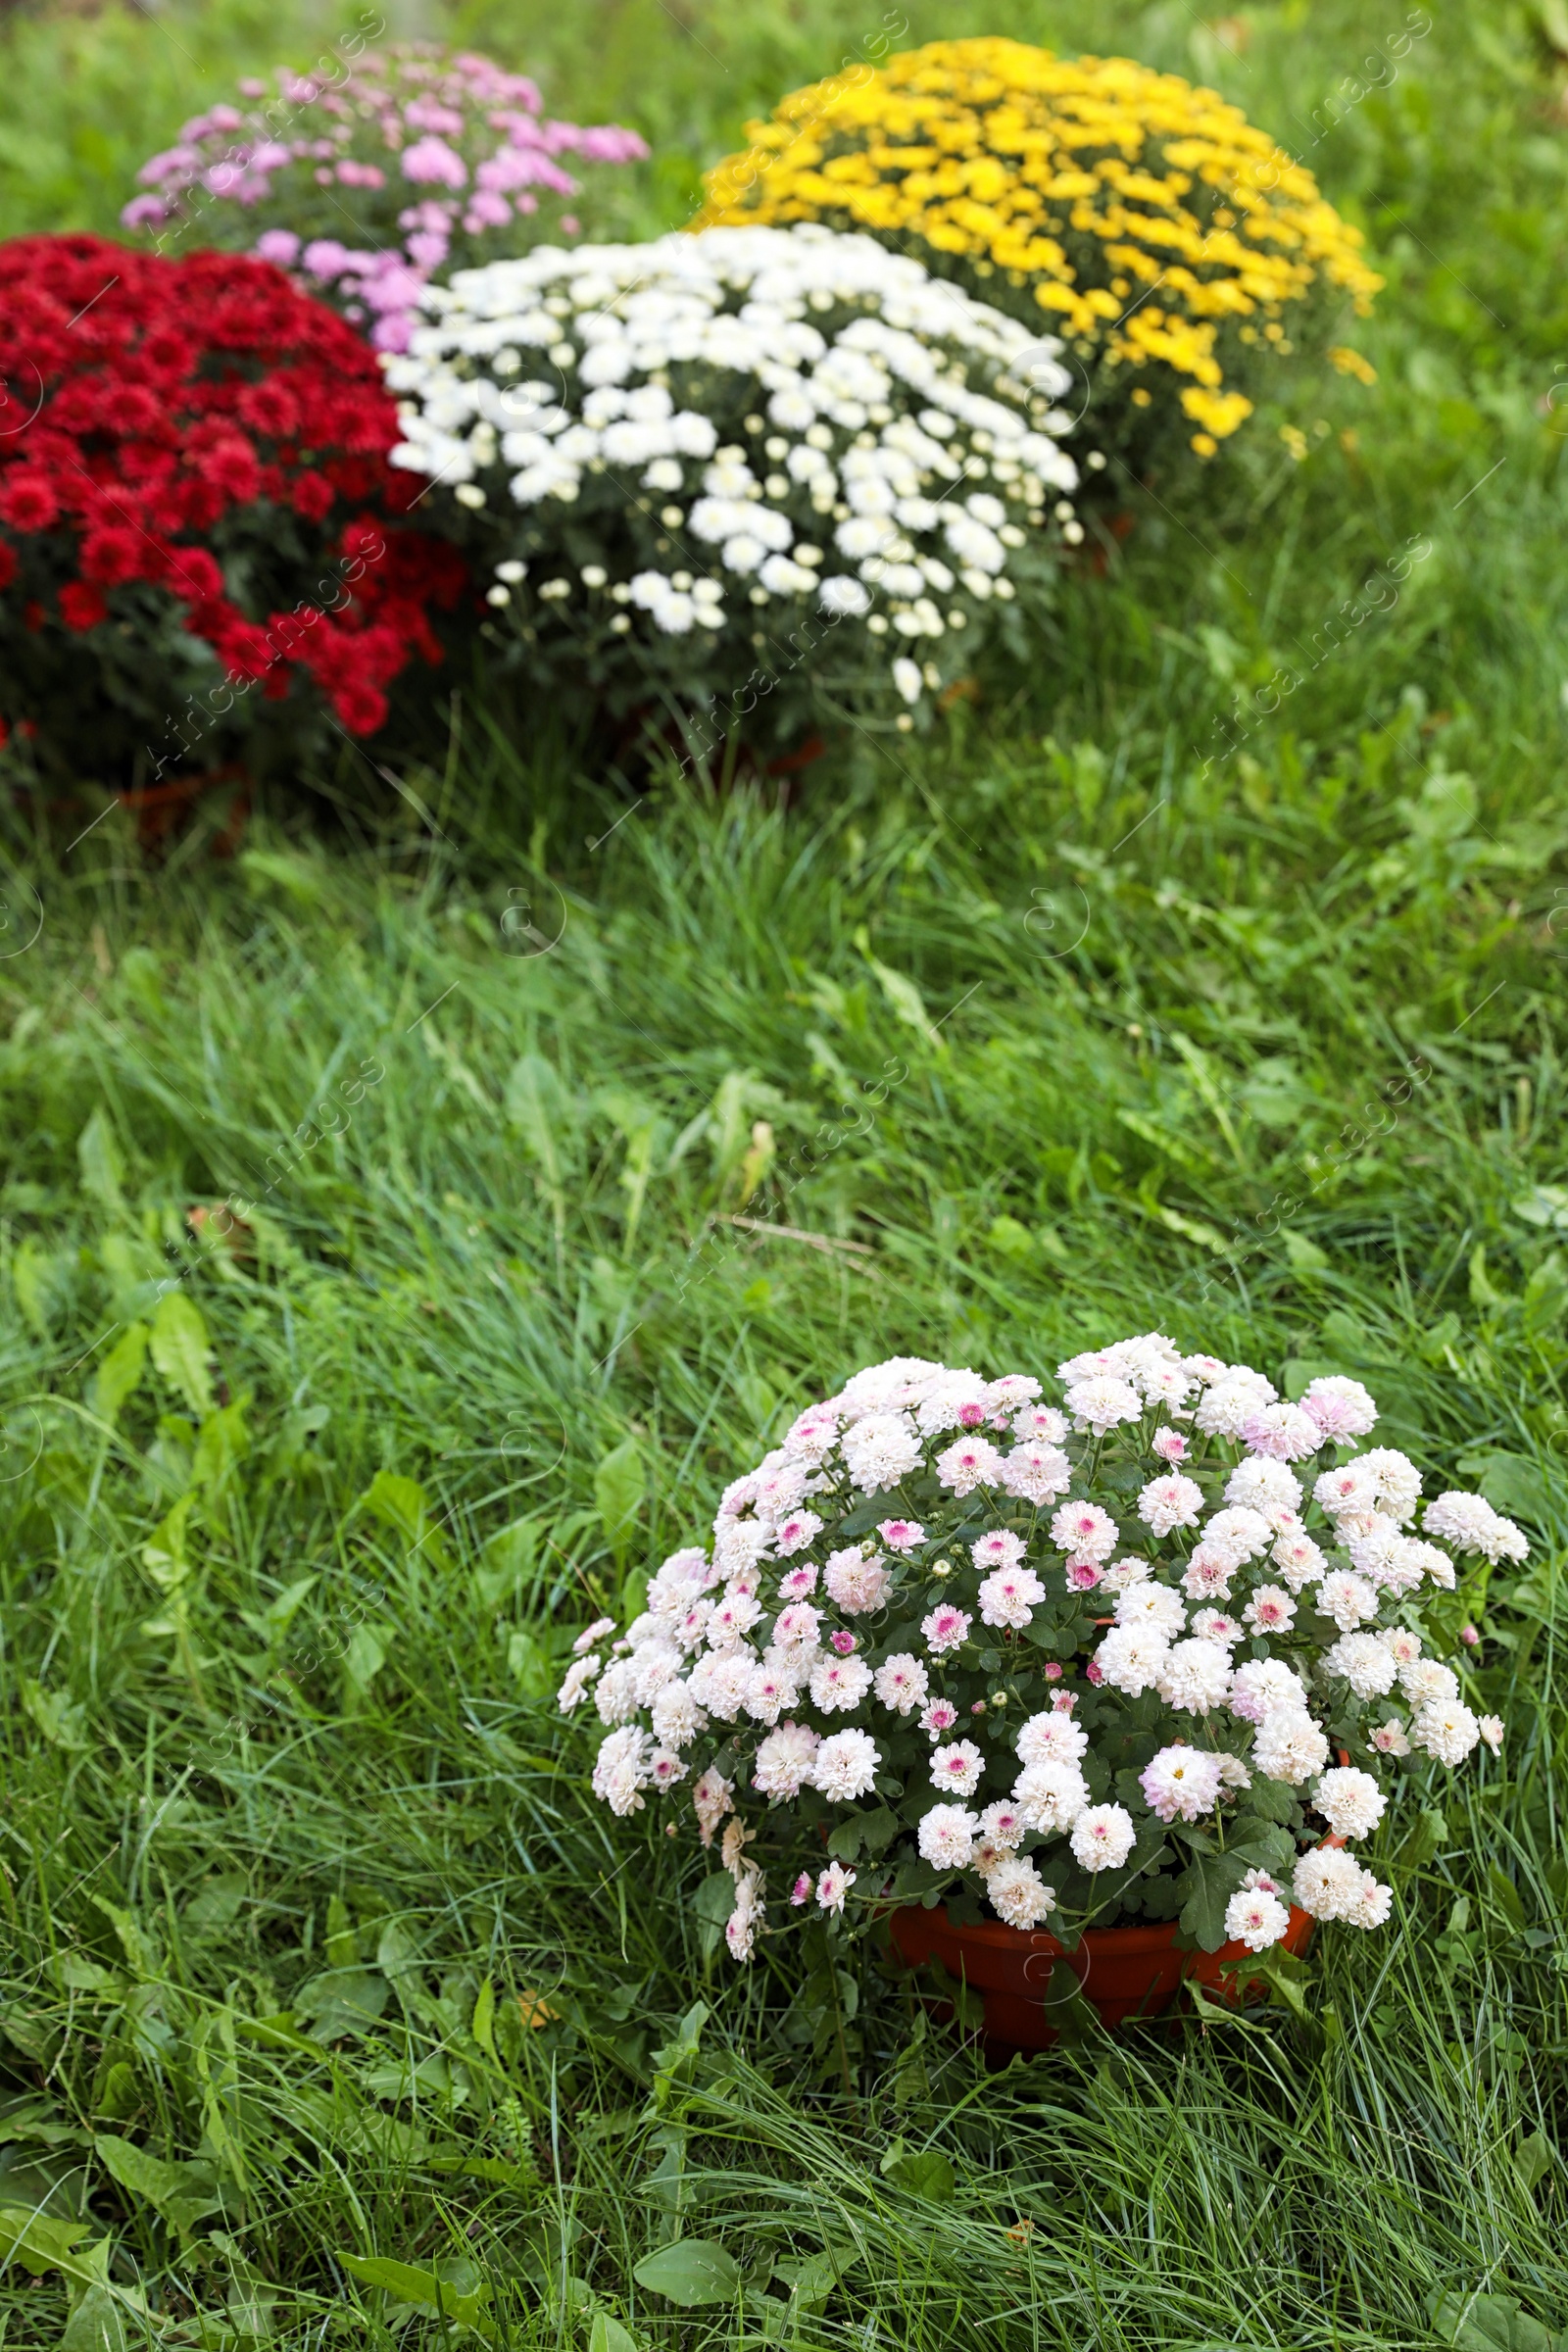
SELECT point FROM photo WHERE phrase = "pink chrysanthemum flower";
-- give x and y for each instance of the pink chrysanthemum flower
(971, 1462)
(945, 1628)
(1084, 1530)
(958, 1767)
(902, 1534)
(1000, 1549)
(832, 1886)
(939, 1717)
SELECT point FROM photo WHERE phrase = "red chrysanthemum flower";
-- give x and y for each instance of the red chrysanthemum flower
(81, 606)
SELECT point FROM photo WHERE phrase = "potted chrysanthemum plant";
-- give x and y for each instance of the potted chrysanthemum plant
(1145, 1664)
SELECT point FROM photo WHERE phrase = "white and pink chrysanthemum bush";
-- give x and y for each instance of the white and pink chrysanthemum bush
(1085, 1662)
(423, 162)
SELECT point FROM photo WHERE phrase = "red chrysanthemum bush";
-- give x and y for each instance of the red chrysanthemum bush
(201, 540)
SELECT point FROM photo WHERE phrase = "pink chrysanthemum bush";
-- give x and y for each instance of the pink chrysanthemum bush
(371, 179)
(1079, 1662)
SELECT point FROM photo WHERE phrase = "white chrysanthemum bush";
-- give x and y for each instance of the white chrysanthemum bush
(766, 475)
(1073, 1663)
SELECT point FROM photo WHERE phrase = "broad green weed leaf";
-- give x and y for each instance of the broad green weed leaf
(60, 1719)
(120, 1373)
(609, 2335)
(1489, 2324)
(620, 1484)
(181, 1349)
(97, 2324)
(402, 1505)
(98, 1156)
(412, 2285)
(925, 2172)
(693, 2270)
(182, 2193)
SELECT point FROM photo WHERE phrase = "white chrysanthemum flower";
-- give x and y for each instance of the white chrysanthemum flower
(958, 1766)
(856, 1583)
(616, 1697)
(1349, 1801)
(621, 1769)
(1124, 1572)
(772, 1691)
(1445, 1729)
(1347, 1598)
(1341, 1407)
(902, 1683)
(1051, 1738)
(740, 1928)
(1327, 1883)
(1103, 1402)
(1383, 1556)
(1084, 1531)
(1036, 1471)
(1364, 1661)
(1283, 1433)
(721, 1682)
(846, 1765)
(676, 1717)
(1271, 1611)
(1256, 1919)
(946, 1837)
(880, 1451)
(1470, 1524)
(784, 1760)
(837, 1685)
(1372, 1905)
(1003, 1823)
(1148, 1602)
(1264, 1687)
(1396, 1481)
(812, 1435)
(1490, 1728)
(1427, 1681)
(1170, 1502)
(1261, 1484)
(1103, 1837)
(729, 1621)
(1018, 1894)
(1209, 1574)
(797, 1627)
(665, 1768)
(1041, 1422)
(1349, 1491)
(1298, 1560)
(1237, 1535)
(1050, 1795)
(1009, 1595)
(832, 1886)
(1288, 1747)
(595, 1632)
(574, 1690)
(1132, 1657)
(1212, 1625)
(1229, 1402)
(1195, 1677)
(1182, 1783)
(971, 1462)
(1389, 1740)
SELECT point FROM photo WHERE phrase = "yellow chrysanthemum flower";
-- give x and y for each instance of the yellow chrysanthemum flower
(1143, 219)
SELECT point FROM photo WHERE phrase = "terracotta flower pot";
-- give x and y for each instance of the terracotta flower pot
(1125, 1971)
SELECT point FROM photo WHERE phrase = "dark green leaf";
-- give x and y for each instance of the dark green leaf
(695, 2269)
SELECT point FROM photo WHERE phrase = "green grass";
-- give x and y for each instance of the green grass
(1109, 1025)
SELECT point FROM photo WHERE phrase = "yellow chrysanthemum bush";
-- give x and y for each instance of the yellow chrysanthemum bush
(1170, 244)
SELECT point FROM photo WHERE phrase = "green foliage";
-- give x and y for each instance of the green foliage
(1270, 1050)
